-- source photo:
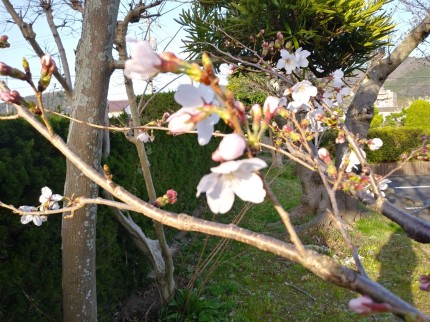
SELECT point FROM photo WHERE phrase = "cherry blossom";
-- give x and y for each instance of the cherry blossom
(143, 136)
(190, 116)
(383, 185)
(36, 219)
(231, 147)
(337, 76)
(375, 144)
(48, 200)
(287, 61)
(302, 93)
(301, 57)
(354, 163)
(232, 178)
(270, 107)
(341, 93)
(144, 61)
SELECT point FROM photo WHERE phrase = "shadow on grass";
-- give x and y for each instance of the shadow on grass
(398, 261)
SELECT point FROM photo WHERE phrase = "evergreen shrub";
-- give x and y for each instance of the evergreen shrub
(397, 140)
(418, 114)
(30, 256)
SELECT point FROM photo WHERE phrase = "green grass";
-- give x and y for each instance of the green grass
(242, 283)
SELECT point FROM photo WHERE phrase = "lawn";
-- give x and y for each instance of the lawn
(222, 280)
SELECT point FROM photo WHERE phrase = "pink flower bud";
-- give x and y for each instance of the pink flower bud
(270, 107)
(324, 155)
(6, 70)
(375, 144)
(4, 41)
(230, 148)
(48, 68)
(12, 97)
(365, 305)
(172, 196)
(340, 138)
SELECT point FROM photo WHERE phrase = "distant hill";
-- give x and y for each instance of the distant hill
(411, 78)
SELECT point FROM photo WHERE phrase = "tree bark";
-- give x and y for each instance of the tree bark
(93, 70)
(358, 118)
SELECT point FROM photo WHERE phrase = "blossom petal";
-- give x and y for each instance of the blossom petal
(187, 96)
(56, 197)
(206, 183)
(205, 128)
(25, 219)
(221, 197)
(250, 189)
(46, 194)
(37, 220)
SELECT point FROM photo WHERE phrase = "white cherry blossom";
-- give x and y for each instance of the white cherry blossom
(48, 200)
(232, 178)
(144, 61)
(190, 116)
(354, 162)
(302, 93)
(301, 57)
(36, 219)
(337, 76)
(143, 136)
(287, 61)
(375, 144)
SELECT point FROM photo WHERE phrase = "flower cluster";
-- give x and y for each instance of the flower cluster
(48, 200)
(169, 198)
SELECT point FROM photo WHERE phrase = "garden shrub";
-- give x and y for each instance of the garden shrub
(418, 114)
(30, 257)
(397, 140)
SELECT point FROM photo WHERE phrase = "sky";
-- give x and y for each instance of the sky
(164, 32)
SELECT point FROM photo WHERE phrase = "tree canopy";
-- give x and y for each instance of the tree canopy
(338, 33)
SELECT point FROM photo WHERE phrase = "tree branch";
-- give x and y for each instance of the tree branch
(29, 35)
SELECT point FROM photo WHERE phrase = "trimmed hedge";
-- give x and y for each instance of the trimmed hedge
(418, 114)
(397, 140)
(30, 256)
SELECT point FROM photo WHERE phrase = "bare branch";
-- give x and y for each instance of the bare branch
(29, 35)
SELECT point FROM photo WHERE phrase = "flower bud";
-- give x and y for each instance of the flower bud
(6, 70)
(230, 148)
(48, 68)
(365, 305)
(4, 41)
(324, 155)
(270, 107)
(256, 114)
(13, 97)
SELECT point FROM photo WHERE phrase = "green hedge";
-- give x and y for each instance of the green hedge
(418, 114)
(30, 256)
(397, 140)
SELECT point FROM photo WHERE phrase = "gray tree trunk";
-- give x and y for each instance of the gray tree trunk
(93, 70)
(358, 118)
